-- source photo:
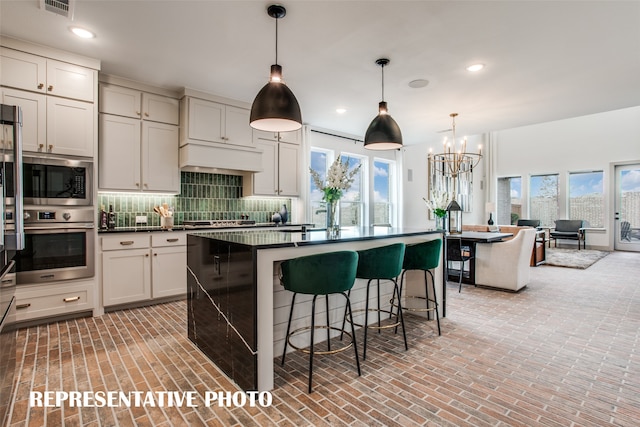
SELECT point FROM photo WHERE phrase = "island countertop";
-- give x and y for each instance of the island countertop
(274, 238)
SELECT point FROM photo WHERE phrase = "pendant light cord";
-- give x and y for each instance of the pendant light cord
(276, 40)
(382, 65)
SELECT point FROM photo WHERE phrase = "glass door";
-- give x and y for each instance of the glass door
(627, 205)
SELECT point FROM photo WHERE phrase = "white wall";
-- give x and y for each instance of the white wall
(594, 142)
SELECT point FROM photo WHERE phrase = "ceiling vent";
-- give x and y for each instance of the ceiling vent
(59, 7)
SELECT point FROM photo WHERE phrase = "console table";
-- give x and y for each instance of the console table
(470, 239)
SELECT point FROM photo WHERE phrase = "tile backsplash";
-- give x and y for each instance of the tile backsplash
(202, 196)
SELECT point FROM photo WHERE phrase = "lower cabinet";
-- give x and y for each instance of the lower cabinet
(143, 266)
(53, 299)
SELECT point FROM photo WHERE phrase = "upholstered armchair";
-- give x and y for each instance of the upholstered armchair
(505, 265)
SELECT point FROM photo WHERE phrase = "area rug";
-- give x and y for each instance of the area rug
(573, 258)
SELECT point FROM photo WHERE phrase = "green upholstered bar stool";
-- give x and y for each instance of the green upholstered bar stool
(382, 263)
(423, 256)
(321, 274)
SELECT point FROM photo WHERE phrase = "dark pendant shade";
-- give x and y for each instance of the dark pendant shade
(275, 109)
(383, 133)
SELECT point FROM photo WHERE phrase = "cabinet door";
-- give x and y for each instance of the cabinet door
(119, 153)
(294, 137)
(34, 119)
(120, 101)
(169, 271)
(206, 119)
(69, 127)
(288, 170)
(161, 109)
(22, 70)
(70, 81)
(160, 162)
(266, 182)
(126, 276)
(237, 129)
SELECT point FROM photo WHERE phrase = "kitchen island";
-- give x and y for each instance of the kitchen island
(237, 310)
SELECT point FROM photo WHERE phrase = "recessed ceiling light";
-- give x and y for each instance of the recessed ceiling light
(82, 33)
(475, 67)
(418, 83)
(341, 110)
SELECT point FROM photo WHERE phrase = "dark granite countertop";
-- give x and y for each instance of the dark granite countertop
(265, 239)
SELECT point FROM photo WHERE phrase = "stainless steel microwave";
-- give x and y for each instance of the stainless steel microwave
(55, 181)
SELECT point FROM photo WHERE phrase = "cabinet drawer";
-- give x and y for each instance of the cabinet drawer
(127, 241)
(52, 300)
(167, 238)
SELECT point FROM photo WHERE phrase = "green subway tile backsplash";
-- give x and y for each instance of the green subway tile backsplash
(202, 196)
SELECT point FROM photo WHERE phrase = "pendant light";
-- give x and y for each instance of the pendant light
(276, 108)
(383, 132)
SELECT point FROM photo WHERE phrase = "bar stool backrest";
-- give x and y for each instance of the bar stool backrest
(384, 262)
(422, 256)
(320, 274)
(455, 250)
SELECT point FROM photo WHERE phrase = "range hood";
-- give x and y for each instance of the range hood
(220, 158)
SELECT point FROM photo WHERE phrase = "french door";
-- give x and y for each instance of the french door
(627, 205)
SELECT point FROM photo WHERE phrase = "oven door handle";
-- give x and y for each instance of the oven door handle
(60, 227)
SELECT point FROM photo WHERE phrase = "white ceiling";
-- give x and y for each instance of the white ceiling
(545, 60)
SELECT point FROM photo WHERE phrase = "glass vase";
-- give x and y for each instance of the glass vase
(333, 226)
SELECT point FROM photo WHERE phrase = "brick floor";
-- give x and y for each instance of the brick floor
(562, 352)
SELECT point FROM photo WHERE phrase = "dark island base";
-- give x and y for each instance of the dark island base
(226, 333)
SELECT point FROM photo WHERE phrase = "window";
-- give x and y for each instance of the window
(586, 197)
(383, 172)
(352, 201)
(509, 208)
(543, 199)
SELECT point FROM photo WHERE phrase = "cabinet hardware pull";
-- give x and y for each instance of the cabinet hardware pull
(71, 299)
(137, 184)
(146, 114)
(21, 306)
(172, 240)
(41, 85)
(155, 254)
(50, 148)
(146, 255)
(40, 147)
(138, 112)
(127, 243)
(50, 88)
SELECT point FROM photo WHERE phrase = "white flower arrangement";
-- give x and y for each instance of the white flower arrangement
(438, 203)
(338, 180)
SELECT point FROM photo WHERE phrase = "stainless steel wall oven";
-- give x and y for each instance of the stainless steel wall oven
(59, 245)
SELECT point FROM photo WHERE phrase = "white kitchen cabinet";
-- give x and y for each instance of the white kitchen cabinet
(280, 174)
(34, 121)
(70, 127)
(209, 121)
(138, 155)
(140, 267)
(54, 299)
(128, 102)
(52, 124)
(35, 73)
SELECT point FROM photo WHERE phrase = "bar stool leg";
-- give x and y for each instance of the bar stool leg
(379, 324)
(344, 318)
(328, 324)
(286, 337)
(366, 321)
(353, 332)
(435, 299)
(404, 332)
(313, 322)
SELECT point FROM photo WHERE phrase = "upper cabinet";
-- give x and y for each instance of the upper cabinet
(122, 101)
(35, 73)
(209, 121)
(138, 141)
(281, 165)
(215, 134)
(55, 94)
